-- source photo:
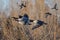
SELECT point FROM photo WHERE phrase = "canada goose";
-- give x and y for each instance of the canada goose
(38, 23)
(22, 5)
(47, 14)
(55, 7)
(23, 19)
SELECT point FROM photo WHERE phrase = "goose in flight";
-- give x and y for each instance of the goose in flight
(22, 5)
(55, 6)
(47, 14)
(38, 23)
(23, 19)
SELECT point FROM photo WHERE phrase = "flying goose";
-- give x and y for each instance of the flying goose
(55, 6)
(23, 19)
(22, 5)
(47, 14)
(38, 23)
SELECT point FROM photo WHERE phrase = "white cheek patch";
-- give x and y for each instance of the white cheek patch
(35, 22)
(21, 23)
(20, 19)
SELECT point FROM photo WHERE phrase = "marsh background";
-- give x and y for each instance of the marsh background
(36, 9)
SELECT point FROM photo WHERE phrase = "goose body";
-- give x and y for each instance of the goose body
(23, 19)
(38, 23)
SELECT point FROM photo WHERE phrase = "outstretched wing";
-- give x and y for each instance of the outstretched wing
(55, 6)
(35, 26)
(14, 17)
(48, 13)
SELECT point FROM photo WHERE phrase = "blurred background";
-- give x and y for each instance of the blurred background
(36, 9)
